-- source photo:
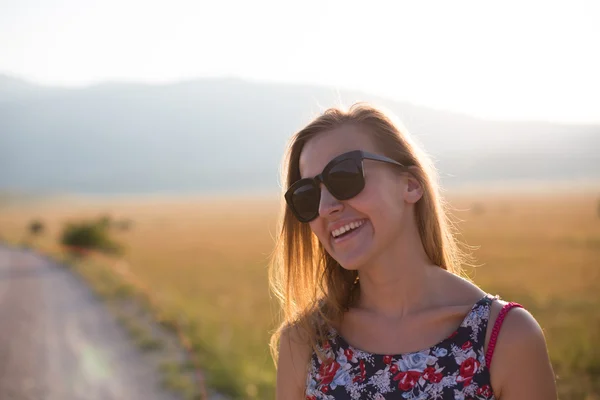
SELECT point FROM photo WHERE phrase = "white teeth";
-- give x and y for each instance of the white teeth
(346, 228)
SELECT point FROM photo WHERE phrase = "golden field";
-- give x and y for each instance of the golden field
(206, 260)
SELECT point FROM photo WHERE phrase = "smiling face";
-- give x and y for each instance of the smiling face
(355, 231)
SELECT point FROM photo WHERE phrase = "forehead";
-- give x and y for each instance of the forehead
(325, 146)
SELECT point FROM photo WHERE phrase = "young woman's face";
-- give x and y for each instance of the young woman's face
(375, 217)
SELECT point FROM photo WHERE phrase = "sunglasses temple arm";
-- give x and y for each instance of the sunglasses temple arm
(375, 157)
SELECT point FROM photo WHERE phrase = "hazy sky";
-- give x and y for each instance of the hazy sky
(501, 59)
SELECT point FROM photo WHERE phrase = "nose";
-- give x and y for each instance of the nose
(329, 205)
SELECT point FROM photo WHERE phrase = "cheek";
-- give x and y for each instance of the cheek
(371, 200)
(383, 207)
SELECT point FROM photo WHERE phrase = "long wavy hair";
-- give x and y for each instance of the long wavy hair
(314, 289)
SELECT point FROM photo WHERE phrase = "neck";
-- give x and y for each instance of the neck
(400, 281)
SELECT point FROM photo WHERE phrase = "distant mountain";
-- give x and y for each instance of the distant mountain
(229, 134)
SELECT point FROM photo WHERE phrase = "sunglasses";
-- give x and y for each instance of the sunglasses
(343, 177)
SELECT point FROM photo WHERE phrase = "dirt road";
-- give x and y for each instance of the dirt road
(58, 342)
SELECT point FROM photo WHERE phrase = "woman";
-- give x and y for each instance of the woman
(367, 269)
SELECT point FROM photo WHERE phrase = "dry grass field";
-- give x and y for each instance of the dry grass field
(206, 262)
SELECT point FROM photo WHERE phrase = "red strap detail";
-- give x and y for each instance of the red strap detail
(496, 331)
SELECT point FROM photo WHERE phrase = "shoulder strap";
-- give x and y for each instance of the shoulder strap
(496, 331)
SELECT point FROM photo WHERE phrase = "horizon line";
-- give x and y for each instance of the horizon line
(179, 81)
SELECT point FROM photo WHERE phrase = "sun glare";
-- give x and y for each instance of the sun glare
(518, 59)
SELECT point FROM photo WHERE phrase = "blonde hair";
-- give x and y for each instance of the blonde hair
(314, 290)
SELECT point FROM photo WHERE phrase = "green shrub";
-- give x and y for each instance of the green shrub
(89, 235)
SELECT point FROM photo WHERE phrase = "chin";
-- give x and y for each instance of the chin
(352, 263)
(354, 259)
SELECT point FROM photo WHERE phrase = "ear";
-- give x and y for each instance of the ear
(413, 190)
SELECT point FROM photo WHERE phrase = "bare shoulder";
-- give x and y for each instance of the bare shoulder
(520, 367)
(294, 355)
(457, 289)
(519, 327)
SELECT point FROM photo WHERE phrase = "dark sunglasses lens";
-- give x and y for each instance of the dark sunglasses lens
(345, 180)
(305, 201)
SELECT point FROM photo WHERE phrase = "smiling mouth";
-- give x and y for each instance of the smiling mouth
(347, 229)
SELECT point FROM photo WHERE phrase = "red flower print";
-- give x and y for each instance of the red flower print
(407, 380)
(363, 373)
(311, 397)
(467, 345)
(485, 391)
(387, 360)
(428, 373)
(467, 370)
(348, 353)
(325, 389)
(432, 376)
(394, 369)
(327, 371)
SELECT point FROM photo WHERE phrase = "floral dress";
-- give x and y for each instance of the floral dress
(455, 368)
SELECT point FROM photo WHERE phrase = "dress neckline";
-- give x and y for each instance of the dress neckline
(479, 303)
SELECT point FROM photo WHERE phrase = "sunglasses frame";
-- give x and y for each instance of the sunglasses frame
(356, 155)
